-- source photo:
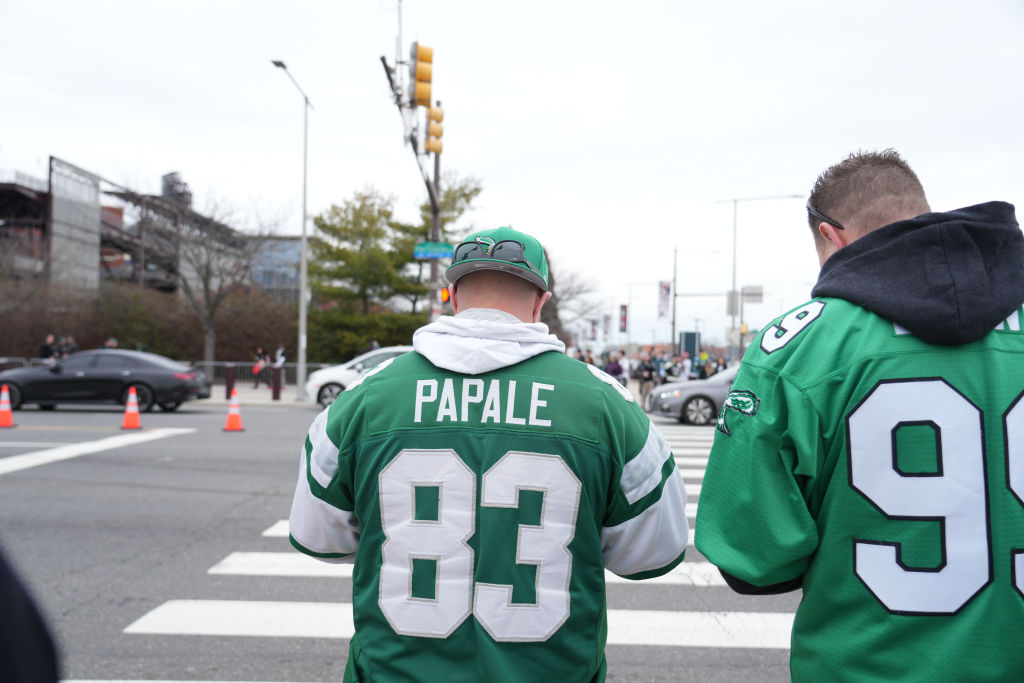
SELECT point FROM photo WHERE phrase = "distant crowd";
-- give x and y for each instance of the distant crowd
(657, 368)
(54, 349)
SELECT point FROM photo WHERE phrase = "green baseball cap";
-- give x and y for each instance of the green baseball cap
(503, 249)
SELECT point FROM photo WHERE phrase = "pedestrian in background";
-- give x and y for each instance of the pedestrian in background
(614, 368)
(648, 372)
(259, 369)
(416, 471)
(70, 347)
(876, 433)
(48, 350)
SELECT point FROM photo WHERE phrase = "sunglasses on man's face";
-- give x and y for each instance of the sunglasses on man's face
(822, 217)
(506, 250)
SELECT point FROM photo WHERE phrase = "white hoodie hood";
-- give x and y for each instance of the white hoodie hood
(479, 340)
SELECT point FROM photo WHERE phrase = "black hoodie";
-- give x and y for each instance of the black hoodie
(949, 278)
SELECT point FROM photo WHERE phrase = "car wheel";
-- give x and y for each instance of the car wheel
(328, 393)
(143, 394)
(169, 406)
(15, 395)
(698, 411)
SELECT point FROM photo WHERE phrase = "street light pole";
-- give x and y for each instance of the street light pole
(735, 303)
(300, 375)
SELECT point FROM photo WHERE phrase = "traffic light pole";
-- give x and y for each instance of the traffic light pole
(435, 236)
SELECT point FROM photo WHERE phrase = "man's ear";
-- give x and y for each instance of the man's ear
(454, 291)
(834, 236)
(539, 304)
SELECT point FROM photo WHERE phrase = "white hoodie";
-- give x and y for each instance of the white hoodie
(479, 340)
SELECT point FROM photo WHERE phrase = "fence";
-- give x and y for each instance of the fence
(216, 370)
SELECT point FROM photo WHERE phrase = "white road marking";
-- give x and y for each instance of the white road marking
(24, 461)
(762, 630)
(690, 474)
(280, 529)
(295, 564)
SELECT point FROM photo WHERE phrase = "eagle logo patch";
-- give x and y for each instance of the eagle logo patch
(740, 400)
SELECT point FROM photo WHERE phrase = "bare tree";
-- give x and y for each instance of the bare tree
(573, 299)
(215, 263)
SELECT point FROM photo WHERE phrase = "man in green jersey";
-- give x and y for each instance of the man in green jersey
(872, 447)
(482, 485)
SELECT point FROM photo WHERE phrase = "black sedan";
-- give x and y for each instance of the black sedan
(107, 375)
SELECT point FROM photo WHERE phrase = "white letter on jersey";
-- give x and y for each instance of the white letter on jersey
(447, 407)
(471, 396)
(535, 403)
(426, 391)
(492, 407)
(511, 406)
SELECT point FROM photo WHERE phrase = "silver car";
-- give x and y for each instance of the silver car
(695, 402)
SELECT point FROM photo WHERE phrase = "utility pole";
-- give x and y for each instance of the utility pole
(417, 95)
(675, 270)
(435, 237)
(734, 294)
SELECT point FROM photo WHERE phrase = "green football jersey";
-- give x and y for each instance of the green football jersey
(482, 511)
(890, 474)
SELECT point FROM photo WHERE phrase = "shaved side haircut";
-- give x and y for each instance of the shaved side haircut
(867, 190)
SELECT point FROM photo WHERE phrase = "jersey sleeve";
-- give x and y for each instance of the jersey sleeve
(646, 532)
(322, 522)
(753, 520)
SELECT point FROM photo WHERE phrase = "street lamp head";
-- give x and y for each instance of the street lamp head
(278, 63)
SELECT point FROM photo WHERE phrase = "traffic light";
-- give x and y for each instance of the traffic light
(421, 60)
(435, 115)
(445, 295)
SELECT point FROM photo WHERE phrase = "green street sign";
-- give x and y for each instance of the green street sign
(433, 250)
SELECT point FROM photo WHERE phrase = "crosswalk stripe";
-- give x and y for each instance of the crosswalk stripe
(280, 529)
(24, 461)
(762, 630)
(690, 474)
(295, 564)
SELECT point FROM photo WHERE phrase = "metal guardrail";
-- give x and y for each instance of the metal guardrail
(216, 370)
(11, 363)
(243, 370)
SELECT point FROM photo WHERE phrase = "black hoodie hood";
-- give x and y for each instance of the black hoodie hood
(949, 278)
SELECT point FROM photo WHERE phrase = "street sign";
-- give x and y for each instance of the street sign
(433, 250)
(753, 294)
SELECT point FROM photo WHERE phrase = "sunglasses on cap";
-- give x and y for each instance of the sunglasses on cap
(822, 217)
(506, 250)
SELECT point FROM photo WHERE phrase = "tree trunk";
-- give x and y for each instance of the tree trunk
(209, 344)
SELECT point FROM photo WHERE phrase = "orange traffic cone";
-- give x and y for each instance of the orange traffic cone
(6, 417)
(131, 411)
(234, 421)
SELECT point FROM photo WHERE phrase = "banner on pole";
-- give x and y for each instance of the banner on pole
(664, 297)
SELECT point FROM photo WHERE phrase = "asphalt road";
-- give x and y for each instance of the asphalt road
(133, 549)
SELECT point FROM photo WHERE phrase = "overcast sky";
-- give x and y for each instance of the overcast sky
(612, 131)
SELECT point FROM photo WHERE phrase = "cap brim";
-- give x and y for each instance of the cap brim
(461, 268)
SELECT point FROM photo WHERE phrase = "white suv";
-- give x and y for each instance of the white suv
(323, 386)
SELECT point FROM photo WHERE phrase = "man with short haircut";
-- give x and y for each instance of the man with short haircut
(871, 450)
(482, 485)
